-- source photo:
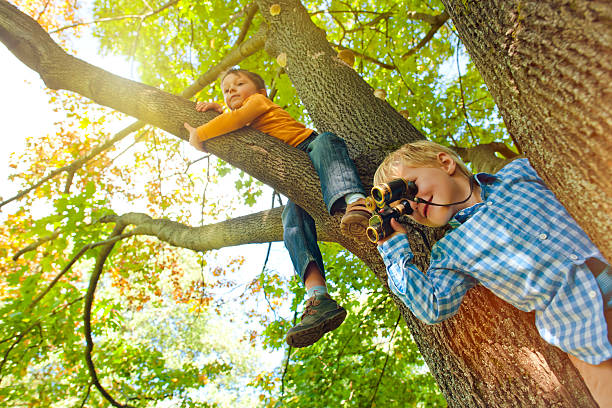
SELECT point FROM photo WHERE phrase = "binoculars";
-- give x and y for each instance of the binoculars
(379, 202)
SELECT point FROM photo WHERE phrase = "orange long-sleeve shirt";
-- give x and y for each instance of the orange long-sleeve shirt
(262, 114)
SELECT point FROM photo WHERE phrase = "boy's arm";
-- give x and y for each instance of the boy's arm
(432, 297)
(227, 122)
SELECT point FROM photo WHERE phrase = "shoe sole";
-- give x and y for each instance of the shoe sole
(355, 225)
(311, 335)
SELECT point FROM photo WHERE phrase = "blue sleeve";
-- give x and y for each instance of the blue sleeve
(432, 297)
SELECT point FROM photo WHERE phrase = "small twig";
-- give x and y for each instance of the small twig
(116, 18)
(69, 180)
(43, 10)
(282, 390)
(365, 57)
(467, 119)
(436, 22)
(36, 244)
(74, 259)
(249, 10)
(86, 394)
(399, 318)
(89, 298)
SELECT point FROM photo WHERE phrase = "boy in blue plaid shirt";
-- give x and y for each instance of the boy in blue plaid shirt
(511, 235)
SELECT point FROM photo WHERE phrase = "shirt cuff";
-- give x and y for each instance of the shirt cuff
(396, 249)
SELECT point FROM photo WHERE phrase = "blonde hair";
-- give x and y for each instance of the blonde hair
(421, 153)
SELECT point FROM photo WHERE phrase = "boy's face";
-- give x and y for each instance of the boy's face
(237, 88)
(442, 184)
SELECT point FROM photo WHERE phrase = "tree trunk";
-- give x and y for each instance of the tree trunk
(489, 354)
(548, 65)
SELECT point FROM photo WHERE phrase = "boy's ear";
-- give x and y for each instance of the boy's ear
(447, 163)
(263, 92)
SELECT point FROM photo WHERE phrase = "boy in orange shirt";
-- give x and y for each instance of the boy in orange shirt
(245, 95)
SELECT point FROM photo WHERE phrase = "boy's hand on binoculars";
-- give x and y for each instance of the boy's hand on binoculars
(397, 227)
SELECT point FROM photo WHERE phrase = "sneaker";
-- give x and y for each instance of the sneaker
(321, 315)
(355, 220)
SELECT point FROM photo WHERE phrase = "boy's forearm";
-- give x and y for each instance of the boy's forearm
(230, 121)
(415, 289)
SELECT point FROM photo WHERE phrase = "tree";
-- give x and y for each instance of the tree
(466, 354)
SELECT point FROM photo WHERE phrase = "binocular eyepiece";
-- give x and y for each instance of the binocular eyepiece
(379, 202)
(387, 193)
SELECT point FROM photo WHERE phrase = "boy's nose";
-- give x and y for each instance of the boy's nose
(413, 204)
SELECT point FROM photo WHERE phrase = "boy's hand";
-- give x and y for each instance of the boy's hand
(206, 106)
(397, 227)
(194, 140)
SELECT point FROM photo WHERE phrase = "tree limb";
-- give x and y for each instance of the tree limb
(249, 11)
(265, 226)
(36, 244)
(483, 157)
(89, 298)
(436, 22)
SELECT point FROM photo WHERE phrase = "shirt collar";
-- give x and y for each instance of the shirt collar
(483, 180)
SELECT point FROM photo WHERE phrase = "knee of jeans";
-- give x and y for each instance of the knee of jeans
(323, 142)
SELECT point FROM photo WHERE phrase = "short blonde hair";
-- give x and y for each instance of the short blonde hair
(421, 153)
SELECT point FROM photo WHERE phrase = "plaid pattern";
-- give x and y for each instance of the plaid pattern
(521, 243)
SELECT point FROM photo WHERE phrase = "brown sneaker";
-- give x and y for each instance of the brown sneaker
(321, 315)
(355, 220)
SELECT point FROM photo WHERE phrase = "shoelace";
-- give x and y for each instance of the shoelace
(310, 304)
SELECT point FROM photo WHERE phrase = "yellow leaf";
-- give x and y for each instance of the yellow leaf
(347, 56)
(380, 93)
(282, 59)
(275, 9)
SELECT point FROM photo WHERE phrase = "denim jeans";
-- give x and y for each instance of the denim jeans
(338, 177)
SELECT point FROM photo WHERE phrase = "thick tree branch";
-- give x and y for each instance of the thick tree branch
(265, 226)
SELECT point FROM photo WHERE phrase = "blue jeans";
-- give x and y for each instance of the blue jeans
(338, 177)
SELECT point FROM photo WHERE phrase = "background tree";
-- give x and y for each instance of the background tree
(467, 354)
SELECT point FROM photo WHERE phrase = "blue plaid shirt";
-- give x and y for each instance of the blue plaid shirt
(521, 243)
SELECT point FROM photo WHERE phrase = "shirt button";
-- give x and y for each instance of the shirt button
(592, 294)
(489, 203)
(542, 236)
(574, 257)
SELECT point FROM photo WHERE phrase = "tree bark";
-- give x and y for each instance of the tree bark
(548, 65)
(489, 354)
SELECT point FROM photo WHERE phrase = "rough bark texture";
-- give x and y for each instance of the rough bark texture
(548, 64)
(489, 354)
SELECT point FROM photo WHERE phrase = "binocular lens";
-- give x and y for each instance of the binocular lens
(372, 234)
(378, 193)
